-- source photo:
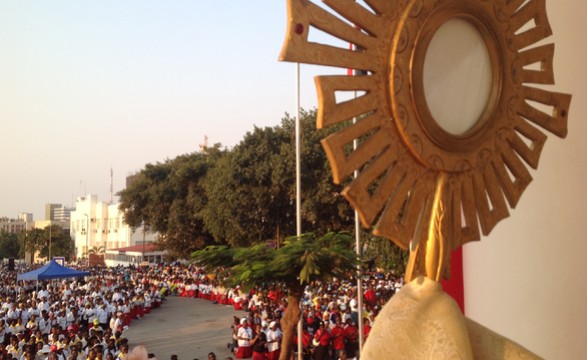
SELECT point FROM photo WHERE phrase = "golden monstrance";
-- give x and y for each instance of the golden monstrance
(425, 187)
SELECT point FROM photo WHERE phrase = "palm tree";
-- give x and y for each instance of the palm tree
(97, 250)
(296, 264)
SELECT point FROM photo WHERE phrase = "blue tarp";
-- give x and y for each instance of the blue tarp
(49, 271)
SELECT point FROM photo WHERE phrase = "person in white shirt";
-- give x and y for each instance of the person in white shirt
(43, 304)
(274, 336)
(244, 335)
(116, 323)
(45, 323)
(102, 316)
(13, 312)
(44, 293)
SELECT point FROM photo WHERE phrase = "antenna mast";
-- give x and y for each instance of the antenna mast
(111, 186)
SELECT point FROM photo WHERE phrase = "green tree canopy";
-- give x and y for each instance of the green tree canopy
(248, 199)
(251, 192)
(169, 198)
(9, 246)
(61, 243)
(35, 241)
(31, 241)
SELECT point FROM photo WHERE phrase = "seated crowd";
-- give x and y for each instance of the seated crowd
(75, 319)
(81, 319)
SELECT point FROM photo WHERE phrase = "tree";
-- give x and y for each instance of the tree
(240, 197)
(31, 241)
(382, 253)
(251, 192)
(296, 264)
(323, 208)
(60, 241)
(248, 201)
(169, 198)
(35, 241)
(97, 250)
(9, 247)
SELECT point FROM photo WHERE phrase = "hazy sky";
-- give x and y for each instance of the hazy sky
(89, 85)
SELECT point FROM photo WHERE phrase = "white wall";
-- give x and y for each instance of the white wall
(527, 279)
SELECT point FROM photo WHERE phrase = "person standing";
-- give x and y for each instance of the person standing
(337, 335)
(351, 335)
(244, 335)
(321, 342)
(259, 343)
(274, 336)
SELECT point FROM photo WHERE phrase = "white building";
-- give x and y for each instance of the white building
(136, 255)
(95, 224)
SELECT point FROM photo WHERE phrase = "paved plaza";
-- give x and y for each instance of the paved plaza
(189, 328)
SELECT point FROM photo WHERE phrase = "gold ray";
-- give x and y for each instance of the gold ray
(541, 54)
(555, 123)
(357, 193)
(359, 16)
(486, 189)
(330, 112)
(465, 202)
(343, 165)
(302, 14)
(530, 154)
(454, 199)
(394, 225)
(532, 10)
(512, 189)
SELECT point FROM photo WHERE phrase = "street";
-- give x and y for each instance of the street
(188, 328)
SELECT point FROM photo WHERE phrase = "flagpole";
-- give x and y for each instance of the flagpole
(298, 195)
(359, 268)
(352, 72)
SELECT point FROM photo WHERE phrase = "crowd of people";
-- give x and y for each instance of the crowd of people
(329, 310)
(75, 319)
(84, 319)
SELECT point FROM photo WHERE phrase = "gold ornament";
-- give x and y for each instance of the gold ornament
(426, 189)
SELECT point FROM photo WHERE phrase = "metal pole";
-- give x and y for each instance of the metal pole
(143, 243)
(359, 269)
(298, 196)
(50, 238)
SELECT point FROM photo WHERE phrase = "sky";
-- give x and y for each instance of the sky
(86, 86)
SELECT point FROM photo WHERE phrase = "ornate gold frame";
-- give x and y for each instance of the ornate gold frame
(426, 189)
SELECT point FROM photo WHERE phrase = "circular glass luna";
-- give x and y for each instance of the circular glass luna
(457, 76)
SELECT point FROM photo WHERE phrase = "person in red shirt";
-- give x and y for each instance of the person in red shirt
(370, 296)
(337, 336)
(321, 342)
(366, 329)
(351, 336)
(306, 342)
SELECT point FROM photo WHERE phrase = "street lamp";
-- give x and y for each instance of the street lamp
(50, 238)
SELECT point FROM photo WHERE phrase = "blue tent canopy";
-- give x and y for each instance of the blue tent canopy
(49, 271)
